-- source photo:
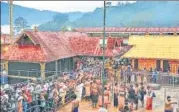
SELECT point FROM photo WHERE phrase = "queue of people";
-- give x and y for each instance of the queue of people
(22, 97)
(127, 94)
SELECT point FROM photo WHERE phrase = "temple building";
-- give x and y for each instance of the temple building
(154, 51)
(37, 53)
(125, 32)
(118, 31)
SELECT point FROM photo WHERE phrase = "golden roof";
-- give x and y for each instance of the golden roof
(153, 46)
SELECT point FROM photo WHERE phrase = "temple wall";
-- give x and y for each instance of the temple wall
(22, 68)
(152, 63)
(174, 66)
(147, 63)
(14, 67)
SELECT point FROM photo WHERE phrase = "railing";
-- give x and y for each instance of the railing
(164, 79)
(50, 105)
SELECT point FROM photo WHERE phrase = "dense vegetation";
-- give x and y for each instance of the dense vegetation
(139, 14)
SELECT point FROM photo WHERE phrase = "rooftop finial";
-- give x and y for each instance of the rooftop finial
(35, 29)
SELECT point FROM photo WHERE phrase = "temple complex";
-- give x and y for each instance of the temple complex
(156, 52)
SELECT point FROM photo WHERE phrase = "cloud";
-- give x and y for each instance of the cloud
(65, 6)
(5, 29)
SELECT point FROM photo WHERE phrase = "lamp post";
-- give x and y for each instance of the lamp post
(103, 68)
(11, 17)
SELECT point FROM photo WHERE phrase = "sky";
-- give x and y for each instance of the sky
(65, 6)
(61, 6)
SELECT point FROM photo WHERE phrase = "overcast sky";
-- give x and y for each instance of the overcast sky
(65, 6)
(61, 6)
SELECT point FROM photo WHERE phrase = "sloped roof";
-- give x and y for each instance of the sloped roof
(130, 30)
(155, 47)
(85, 45)
(24, 53)
(50, 46)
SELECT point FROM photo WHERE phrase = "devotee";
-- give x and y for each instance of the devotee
(25, 100)
(121, 101)
(75, 104)
(137, 96)
(149, 98)
(168, 104)
(19, 103)
(131, 94)
(87, 90)
(55, 94)
(94, 94)
(42, 101)
(142, 93)
(154, 76)
(106, 97)
(116, 92)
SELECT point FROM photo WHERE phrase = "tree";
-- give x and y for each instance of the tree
(60, 18)
(20, 23)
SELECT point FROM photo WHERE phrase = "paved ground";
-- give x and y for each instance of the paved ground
(85, 107)
(158, 104)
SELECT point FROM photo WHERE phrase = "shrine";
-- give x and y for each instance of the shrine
(154, 52)
(53, 51)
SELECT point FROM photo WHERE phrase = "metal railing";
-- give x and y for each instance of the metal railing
(164, 79)
(50, 105)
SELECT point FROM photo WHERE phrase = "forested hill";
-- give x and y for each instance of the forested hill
(139, 14)
(33, 16)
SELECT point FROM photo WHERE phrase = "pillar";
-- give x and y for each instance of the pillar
(161, 64)
(56, 67)
(132, 63)
(161, 33)
(147, 34)
(42, 69)
(175, 33)
(6, 66)
(60, 65)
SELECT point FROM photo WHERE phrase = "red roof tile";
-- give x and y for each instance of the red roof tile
(24, 53)
(50, 46)
(84, 45)
(54, 46)
(113, 29)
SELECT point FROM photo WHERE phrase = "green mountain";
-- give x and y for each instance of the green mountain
(139, 14)
(33, 16)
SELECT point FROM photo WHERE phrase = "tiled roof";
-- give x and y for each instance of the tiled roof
(84, 45)
(24, 53)
(144, 30)
(53, 46)
(50, 46)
